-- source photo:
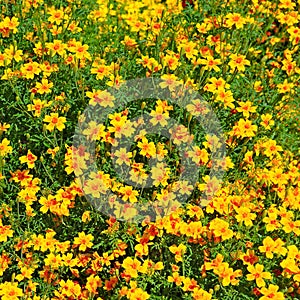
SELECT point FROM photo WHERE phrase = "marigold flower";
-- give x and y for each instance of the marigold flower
(44, 86)
(271, 293)
(5, 148)
(5, 232)
(285, 87)
(55, 122)
(10, 291)
(129, 194)
(103, 98)
(57, 15)
(57, 47)
(148, 149)
(131, 266)
(257, 274)
(13, 53)
(244, 215)
(235, 19)
(246, 108)
(209, 63)
(244, 128)
(83, 241)
(267, 121)
(238, 62)
(29, 159)
(30, 69)
(159, 116)
(221, 228)
(178, 251)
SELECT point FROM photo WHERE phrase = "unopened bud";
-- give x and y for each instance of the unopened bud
(217, 287)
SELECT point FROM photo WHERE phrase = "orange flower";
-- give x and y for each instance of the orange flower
(176, 278)
(227, 275)
(4, 127)
(92, 284)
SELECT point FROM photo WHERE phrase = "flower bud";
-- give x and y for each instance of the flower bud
(217, 287)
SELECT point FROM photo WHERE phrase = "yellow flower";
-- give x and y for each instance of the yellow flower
(210, 63)
(238, 62)
(178, 251)
(266, 121)
(30, 69)
(129, 194)
(44, 86)
(83, 241)
(10, 291)
(244, 128)
(244, 215)
(271, 293)
(57, 47)
(55, 122)
(147, 149)
(5, 148)
(246, 108)
(13, 53)
(103, 98)
(257, 274)
(5, 232)
(285, 87)
(29, 159)
(131, 266)
(235, 19)
(160, 174)
(221, 229)
(57, 15)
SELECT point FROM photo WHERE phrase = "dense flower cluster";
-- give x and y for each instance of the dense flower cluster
(58, 57)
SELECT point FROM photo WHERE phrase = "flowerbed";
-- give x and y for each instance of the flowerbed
(232, 233)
